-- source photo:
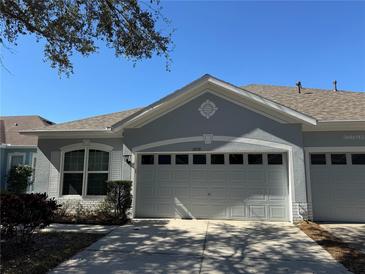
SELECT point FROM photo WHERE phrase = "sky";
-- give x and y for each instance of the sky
(240, 42)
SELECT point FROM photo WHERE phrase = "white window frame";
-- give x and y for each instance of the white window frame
(11, 154)
(83, 146)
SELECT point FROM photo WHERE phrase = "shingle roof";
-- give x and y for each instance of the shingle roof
(324, 105)
(93, 123)
(11, 125)
(317, 103)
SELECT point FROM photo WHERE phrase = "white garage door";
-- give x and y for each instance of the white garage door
(338, 186)
(214, 186)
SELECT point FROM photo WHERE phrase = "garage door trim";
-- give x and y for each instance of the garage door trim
(279, 146)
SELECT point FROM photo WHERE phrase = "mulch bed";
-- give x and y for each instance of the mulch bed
(351, 258)
(46, 251)
(89, 219)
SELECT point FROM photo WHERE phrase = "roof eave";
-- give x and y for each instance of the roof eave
(337, 125)
(45, 131)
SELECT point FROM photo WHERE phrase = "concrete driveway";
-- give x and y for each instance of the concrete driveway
(187, 246)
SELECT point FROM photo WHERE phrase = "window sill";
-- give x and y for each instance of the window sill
(79, 197)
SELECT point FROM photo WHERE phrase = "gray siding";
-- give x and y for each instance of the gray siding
(41, 173)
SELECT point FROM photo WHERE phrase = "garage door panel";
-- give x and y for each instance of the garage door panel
(198, 175)
(255, 194)
(238, 211)
(275, 176)
(277, 194)
(358, 198)
(199, 192)
(181, 176)
(237, 175)
(209, 211)
(277, 212)
(180, 191)
(147, 210)
(254, 175)
(164, 191)
(166, 209)
(257, 212)
(237, 193)
(182, 211)
(243, 191)
(147, 192)
(338, 191)
(216, 175)
(163, 174)
(147, 176)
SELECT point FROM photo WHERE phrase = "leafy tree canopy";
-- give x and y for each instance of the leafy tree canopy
(68, 26)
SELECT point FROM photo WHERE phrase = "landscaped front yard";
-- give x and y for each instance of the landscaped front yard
(353, 259)
(47, 250)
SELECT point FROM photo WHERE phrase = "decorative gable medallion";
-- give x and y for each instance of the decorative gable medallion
(207, 109)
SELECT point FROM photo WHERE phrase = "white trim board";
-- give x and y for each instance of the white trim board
(336, 126)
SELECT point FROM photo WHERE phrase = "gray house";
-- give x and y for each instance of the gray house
(215, 150)
(15, 148)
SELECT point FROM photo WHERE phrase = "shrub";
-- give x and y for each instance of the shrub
(118, 201)
(18, 178)
(23, 214)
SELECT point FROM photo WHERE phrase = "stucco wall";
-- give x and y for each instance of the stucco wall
(49, 145)
(334, 138)
(230, 120)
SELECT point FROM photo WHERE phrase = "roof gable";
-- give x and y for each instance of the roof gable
(211, 84)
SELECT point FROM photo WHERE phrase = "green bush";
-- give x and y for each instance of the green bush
(23, 214)
(118, 201)
(18, 178)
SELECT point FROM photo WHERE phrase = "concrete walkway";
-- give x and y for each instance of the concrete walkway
(352, 234)
(102, 229)
(176, 246)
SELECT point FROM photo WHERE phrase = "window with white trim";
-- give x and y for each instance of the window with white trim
(85, 172)
(16, 159)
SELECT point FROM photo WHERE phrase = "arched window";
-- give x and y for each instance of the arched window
(85, 171)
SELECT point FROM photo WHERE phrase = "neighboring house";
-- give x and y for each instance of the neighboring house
(17, 149)
(215, 150)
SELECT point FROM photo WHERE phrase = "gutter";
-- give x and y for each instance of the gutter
(17, 146)
(40, 131)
